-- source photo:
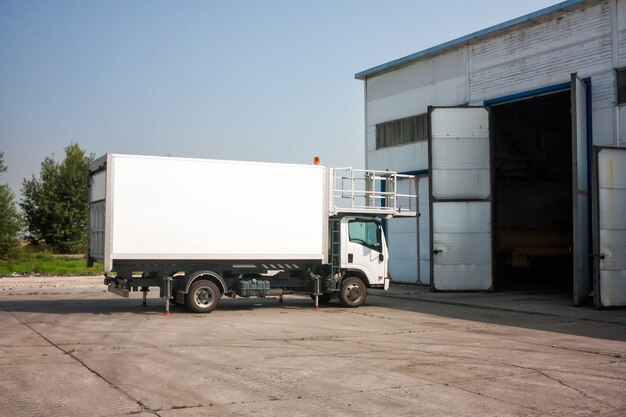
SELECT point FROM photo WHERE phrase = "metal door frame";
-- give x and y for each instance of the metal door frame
(574, 78)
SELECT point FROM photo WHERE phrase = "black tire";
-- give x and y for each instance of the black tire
(353, 292)
(323, 299)
(203, 296)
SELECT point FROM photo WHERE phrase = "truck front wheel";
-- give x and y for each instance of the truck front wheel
(353, 292)
(203, 296)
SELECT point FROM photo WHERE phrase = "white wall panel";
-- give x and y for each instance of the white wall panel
(622, 125)
(424, 278)
(462, 242)
(603, 90)
(424, 229)
(612, 225)
(613, 208)
(461, 230)
(402, 158)
(402, 242)
(613, 284)
(621, 33)
(542, 54)
(461, 183)
(413, 102)
(460, 154)
(603, 126)
(440, 80)
(437, 69)
(614, 247)
(462, 217)
(463, 277)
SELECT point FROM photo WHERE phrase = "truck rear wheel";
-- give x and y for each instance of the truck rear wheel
(353, 292)
(203, 296)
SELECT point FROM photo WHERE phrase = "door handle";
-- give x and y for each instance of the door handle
(437, 251)
(350, 258)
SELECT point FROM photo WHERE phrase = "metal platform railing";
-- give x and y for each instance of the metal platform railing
(363, 191)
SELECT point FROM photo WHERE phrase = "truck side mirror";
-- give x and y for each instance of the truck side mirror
(381, 257)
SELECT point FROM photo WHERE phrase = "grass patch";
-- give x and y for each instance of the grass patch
(29, 261)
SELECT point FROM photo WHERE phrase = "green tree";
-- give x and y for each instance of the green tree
(56, 204)
(10, 218)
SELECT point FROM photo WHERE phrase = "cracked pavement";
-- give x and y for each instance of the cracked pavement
(68, 348)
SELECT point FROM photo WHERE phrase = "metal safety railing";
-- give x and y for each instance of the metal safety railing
(374, 192)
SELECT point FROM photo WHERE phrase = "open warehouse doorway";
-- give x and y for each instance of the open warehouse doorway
(476, 234)
(532, 193)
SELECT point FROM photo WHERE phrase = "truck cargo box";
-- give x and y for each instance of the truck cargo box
(181, 209)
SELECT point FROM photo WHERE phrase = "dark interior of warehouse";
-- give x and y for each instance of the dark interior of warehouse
(532, 193)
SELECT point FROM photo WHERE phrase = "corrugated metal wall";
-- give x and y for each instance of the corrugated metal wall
(545, 53)
(542, 54)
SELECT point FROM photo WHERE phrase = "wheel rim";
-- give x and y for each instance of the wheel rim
(204, 297)
(353, 292)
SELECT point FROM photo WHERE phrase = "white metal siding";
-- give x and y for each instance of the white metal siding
(440, 80)
(403, 158)
(460, 153)
(462, 232)
(612, 217)
(621, 33)
(542, 54)
(424, 229)
(460, 171)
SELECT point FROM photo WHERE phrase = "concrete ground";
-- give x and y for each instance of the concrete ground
(68, 348)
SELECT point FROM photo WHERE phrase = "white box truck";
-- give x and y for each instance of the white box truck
(201, 229)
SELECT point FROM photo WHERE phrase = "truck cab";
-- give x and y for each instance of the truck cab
(364, 250)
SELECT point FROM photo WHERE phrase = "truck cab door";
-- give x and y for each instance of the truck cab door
(364, 249)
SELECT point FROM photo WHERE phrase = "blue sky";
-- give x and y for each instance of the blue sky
(250, 80)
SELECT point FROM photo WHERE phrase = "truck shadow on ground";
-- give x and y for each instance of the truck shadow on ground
(154, 306)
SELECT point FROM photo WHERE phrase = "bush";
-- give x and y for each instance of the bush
(56, 204)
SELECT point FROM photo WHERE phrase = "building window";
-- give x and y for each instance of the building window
(621, 85)
(401, 131)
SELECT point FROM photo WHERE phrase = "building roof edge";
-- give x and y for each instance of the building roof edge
(396, 63)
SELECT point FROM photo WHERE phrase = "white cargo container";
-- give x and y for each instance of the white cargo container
(200, 228)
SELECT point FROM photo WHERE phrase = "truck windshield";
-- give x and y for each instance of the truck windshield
(366, 233)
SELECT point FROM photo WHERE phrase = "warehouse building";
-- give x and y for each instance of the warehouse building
(517, 136)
